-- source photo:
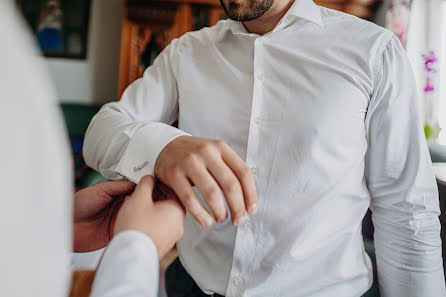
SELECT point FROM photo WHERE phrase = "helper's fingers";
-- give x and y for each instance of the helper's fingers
(175, 213)
(165, 191)
(117, 187)
(190, 201)
(144, 189)
(244, 175)
(232, 189)
(174, 207)
(211, 192)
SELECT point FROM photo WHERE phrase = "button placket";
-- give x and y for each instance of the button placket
(260, 76)
(258, 84)
(245, 237)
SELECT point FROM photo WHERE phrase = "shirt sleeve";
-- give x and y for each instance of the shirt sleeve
(404, 195)
(125, 138)
(128, 268)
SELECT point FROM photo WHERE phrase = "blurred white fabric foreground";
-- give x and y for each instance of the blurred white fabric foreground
(36, 184)
(86, 261)
(35, 216)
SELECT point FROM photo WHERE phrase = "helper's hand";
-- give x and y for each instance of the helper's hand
(162, 221)
(213, 167)
(95, 208)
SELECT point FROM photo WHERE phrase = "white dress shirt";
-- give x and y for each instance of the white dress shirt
(324, 111)
(36, 188)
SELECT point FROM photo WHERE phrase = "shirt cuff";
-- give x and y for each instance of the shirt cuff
(140, 156)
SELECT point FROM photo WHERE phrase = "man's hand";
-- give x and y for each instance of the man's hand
(213, 167)
(95, 208)
(162, 221)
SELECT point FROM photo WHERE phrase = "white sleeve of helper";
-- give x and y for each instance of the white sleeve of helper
(129, 267)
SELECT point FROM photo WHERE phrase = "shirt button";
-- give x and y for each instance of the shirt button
(248, 223)
(255, 171)
(260, 242)
(260, 76)
(237, 281)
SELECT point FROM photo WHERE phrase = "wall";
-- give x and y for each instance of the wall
(94, 80)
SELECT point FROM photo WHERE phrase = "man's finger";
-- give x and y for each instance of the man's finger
(117, 187)
(210, 191)
(231, 188)
(144, 189)
(244, 175)
(190, 201)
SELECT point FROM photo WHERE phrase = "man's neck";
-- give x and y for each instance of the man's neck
(267, 22)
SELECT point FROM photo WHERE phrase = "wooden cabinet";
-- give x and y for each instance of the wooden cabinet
(150, 25)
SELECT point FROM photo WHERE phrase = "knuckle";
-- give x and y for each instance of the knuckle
(190, 159)
(232, 186)
(176, 171)
(212, 192)
(220, 144)
(188, 201)
(173, 169)
(206, 148)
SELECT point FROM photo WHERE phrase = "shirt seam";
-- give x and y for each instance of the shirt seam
(378, 68)
(378, 64)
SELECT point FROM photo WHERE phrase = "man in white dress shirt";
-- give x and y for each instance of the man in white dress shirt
(303, 116)
(36, 207)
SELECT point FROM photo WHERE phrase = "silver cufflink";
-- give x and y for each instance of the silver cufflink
(138, 168)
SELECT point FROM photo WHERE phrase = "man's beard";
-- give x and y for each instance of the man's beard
(240, 14)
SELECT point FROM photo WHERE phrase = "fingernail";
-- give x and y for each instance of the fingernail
(208, 222)
(253, 209)
(239, 221)
(223, 220)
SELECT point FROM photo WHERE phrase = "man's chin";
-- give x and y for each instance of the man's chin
(236, 12)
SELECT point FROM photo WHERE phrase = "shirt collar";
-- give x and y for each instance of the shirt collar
(304, 9)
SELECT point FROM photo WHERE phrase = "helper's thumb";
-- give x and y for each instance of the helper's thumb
(144, 190)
